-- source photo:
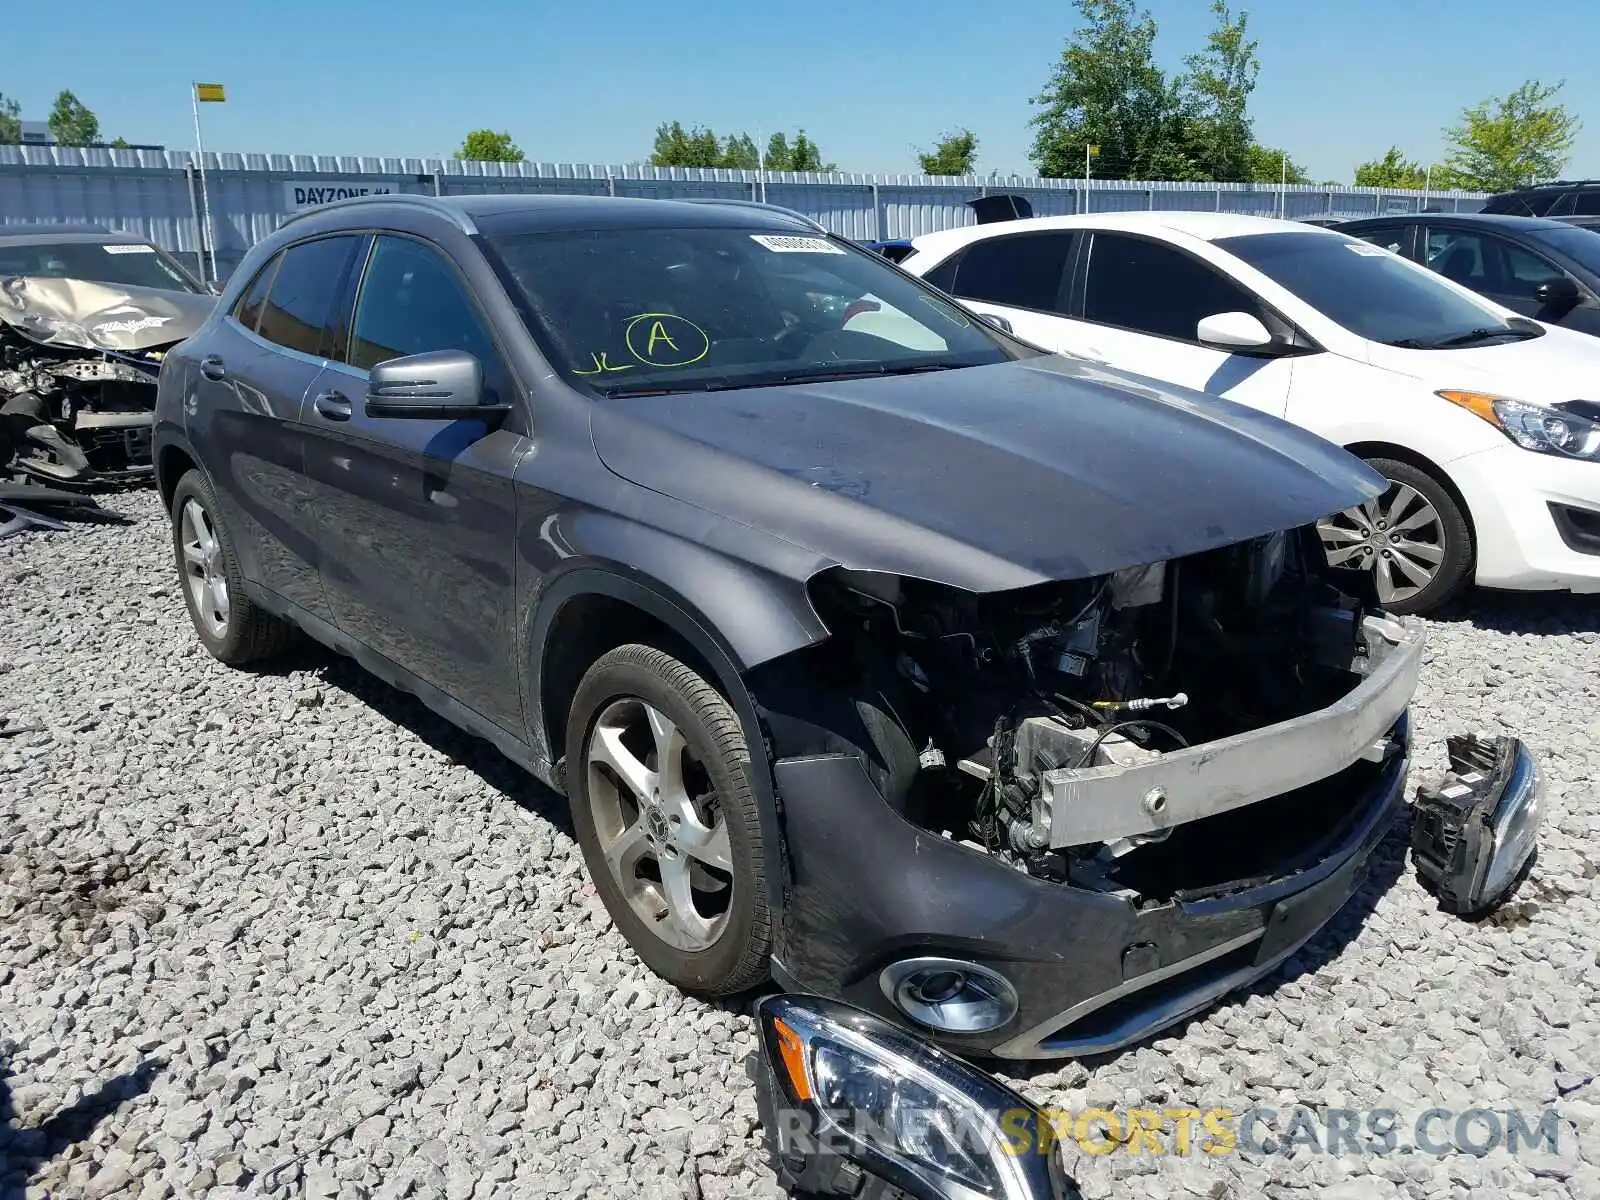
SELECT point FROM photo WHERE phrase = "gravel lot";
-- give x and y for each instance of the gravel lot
(317, 943)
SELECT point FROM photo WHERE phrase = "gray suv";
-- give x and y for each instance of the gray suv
(874, 649)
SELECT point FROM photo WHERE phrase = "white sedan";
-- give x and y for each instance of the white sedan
(1482, 420)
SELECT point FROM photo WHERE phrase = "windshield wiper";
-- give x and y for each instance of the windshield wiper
(1472, 337)
(832, 375)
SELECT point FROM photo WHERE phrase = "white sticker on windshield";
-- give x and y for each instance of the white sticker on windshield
(1366, 249)
(128, 248)
(782, 244)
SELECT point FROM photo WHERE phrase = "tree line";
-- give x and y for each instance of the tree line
(71, 123)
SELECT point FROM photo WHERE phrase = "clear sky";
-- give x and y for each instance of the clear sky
(588, 82)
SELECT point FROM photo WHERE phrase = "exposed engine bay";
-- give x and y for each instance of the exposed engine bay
(1169, 730)
(78, 367)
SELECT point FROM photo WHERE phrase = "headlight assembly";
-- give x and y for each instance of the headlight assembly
(1571, 430)
(852, 1103)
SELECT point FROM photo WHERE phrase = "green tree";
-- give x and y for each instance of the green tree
(1268, 164)
(678, 147)
(740, 153)
(485, 145)
(120, 144)
(10, 120)
(1218, 130)
(72, 123)
(1393, 170)
(953, 154)
(1106, 90)
(1508, 141)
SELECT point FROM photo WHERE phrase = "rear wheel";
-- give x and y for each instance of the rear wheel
(233, 628)
(1412, 542)
(659, 780)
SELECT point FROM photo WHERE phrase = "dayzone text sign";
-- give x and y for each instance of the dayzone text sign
(309, 195)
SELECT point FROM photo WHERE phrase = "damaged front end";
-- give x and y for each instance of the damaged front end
(1185, 767)
(78, 367)
(1101, 731)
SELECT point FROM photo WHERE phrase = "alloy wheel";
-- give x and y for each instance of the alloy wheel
(1398, 536)
(203, 567)
(659, 825)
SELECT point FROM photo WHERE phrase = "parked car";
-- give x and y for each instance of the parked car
(1481, 420)
(1563, 197)
(85, 316)
(1547, 270)
(979, 688)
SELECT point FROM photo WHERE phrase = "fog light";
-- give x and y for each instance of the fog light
(949, 995)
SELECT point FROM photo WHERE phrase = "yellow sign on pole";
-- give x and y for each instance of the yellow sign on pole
(212, 92)
(1094, 151)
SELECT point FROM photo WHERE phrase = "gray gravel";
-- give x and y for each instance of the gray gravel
(286, 934)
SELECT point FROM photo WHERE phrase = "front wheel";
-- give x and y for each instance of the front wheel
(658, 775)
(1412, 542)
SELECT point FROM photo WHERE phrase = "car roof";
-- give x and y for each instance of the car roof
(1207, 226)
(561, 213)
(1498, 220)
(36, 234)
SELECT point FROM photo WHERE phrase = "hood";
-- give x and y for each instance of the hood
(100, 316)
(1562, 365)
(985, 478)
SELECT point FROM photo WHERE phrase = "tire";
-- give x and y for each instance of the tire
(238, 631)
(1413, 560)
(689, 885)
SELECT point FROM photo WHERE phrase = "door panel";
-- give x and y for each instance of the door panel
(417, 518)
(248, 419)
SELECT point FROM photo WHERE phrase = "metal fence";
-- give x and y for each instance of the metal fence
(157, 193)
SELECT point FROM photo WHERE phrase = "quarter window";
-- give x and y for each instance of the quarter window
(1152, 288)
(411, 302)
(299, 307)
(1023, 270)
(248, 311)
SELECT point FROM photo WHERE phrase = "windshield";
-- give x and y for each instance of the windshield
(1371, 292)
(629, 311)
(1577, 243)
(132, 264)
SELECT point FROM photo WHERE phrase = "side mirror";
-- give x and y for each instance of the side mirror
(440, 385)
(1561, 293)
(999, 323)
(1233, 331)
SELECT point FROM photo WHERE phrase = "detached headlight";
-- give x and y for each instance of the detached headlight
(1545, 428)
(846, 1096)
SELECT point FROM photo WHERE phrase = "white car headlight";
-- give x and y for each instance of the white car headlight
(1544, 428)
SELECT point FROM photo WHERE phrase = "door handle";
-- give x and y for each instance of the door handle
(333, 405)
(213, 367)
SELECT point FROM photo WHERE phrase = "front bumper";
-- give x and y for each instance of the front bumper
(1092, 971)
(1509, 493)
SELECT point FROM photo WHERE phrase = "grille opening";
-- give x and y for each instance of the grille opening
(1267, 840)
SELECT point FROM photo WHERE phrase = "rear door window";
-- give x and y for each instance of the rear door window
(1391, 237)
(1024, 270)
(300, 305)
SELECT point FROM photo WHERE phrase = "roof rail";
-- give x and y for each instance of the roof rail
(775, 208)
(407, 199)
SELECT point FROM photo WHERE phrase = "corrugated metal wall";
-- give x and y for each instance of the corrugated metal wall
(157, 193)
